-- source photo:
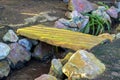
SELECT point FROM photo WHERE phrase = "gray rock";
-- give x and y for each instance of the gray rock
(18, 55)
(25, 43)
(10, 36)
(111, 53)
(117, 36)
(46, 77)
(4, 50)
(56, 68)
(42, 51)
(4, 69)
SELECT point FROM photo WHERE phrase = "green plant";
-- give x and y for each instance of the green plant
(103, 4)
(96, 25)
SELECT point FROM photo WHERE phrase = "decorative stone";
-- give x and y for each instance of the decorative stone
(59, 25)
(4, 50)
(18, 55)
(56, 68)
(83, 64)
(46, 77)
(4, 69)
(101, 11)
(10, 36)
(42, 51)
(82, 6)
(113, 12)
(25, 43)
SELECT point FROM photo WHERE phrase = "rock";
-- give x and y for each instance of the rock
(83, 64)
(18, 55)
(10, 36)
(82, 6)
(113, 12)
(4, 69)
(66, 58)
(117, 36)
(59, 25)
(46, 77)
(118, 5)
(25, 43)
(34, 42)
(110, 55)
(107, 36)
(43, 51)
(4, 50)
(101, 11)
(50, 18)
(56, 68)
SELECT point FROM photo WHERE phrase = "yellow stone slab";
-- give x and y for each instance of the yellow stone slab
(60, 37)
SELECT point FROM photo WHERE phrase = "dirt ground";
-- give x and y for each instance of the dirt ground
(14, 12)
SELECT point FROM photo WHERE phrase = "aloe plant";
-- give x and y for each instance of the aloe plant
(96, 25)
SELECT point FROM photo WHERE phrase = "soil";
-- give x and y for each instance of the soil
(15, 11)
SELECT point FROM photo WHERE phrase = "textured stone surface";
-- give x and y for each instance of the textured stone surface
(46, 77)
(42, 51)
(82, 6)
(4, 50)
(61, 37)
(56, 68)
(4, 69)
(109, 54)
(25, 43)
(83, 64)
(66, 58)
(10, 36)
(18, 54)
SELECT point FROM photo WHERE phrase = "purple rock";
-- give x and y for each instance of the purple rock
(113, 12)
(18, 54)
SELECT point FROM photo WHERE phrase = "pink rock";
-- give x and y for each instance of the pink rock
(113, 12)
(82, 6)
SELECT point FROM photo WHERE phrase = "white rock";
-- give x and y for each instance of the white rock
(10, 36)
(4, 50)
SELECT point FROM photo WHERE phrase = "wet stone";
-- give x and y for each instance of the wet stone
(18, 55)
